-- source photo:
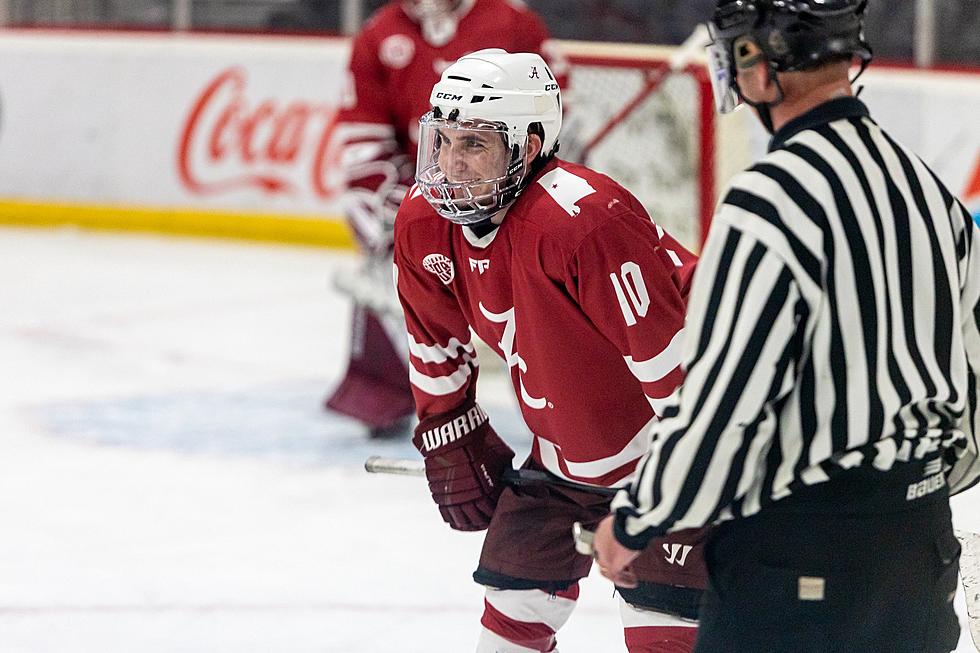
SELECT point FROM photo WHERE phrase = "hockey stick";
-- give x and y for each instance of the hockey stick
(512, 477)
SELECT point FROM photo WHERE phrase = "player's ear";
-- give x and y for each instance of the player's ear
(534, 144)
(754, 78)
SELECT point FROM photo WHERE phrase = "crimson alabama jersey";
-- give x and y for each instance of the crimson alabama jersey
(393, 69)
(580, 293)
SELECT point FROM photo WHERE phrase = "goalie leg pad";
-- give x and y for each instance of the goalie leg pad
(375, 389)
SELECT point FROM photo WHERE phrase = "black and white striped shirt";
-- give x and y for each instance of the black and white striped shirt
(833, 322)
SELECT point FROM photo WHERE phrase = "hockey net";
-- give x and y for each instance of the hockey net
(650, 124)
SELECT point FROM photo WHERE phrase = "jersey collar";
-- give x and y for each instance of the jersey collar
(836, 109)
(482, 242)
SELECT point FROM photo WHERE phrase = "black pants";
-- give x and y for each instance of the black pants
(792, 582)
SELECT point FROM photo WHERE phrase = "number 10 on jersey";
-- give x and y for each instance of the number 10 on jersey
(631, 292)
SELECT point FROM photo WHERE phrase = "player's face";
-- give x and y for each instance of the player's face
(467, 155)
(423, 7)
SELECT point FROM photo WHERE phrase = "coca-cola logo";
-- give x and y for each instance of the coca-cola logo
(232, 142)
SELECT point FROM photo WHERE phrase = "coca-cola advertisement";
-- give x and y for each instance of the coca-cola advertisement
(234, 139)
(184, 123)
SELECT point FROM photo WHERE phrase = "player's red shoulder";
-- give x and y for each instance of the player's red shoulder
(568, 201)
(417, 223)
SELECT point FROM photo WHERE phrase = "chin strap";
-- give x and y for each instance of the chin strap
(864, 66)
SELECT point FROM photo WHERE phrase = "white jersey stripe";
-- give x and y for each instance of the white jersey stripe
(443, 385)
(437, 353)
(656, 368)
(551, 454)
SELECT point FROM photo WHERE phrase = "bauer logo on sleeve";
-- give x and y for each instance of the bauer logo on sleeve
(441, 266)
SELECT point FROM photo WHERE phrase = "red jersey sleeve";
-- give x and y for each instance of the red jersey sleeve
(631, 280)
(442, 360)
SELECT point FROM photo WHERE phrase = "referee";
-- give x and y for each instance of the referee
(830, 402)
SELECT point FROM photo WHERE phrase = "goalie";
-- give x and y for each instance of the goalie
(395, 60)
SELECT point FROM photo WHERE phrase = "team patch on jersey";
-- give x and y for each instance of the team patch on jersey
(566, 189)
(441, 266)
(396, 51)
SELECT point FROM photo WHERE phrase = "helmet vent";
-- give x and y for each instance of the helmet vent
(458, 78)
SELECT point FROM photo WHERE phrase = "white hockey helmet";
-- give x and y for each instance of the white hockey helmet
(488, 92)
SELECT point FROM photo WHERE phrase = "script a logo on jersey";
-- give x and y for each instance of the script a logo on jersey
(512, 358)
(441, 266)
(676, 553)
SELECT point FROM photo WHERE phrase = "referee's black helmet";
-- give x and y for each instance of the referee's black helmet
(793, 35)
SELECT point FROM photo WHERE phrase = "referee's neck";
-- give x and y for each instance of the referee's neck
(805, 91)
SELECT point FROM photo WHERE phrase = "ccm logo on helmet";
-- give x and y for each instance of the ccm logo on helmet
(551, 87)
(448, 96)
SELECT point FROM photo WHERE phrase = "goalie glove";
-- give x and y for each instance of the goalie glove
(464, 463)
(375, 174)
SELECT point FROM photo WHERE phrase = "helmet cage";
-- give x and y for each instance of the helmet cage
(468, 201)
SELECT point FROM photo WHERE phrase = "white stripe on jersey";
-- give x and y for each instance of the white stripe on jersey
(656, 368)
(659, 404)
(443, 385)
(437, 353)
(552, 458)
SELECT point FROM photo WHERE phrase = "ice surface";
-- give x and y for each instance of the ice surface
(169, 483)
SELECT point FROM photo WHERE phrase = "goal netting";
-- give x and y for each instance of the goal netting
(652, 127)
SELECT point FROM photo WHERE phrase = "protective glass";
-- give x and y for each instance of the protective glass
(467, 170)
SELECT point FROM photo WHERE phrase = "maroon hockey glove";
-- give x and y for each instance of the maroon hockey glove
(464, 461)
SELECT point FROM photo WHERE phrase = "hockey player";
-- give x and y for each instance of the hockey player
(395, 60)
(562, 272)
